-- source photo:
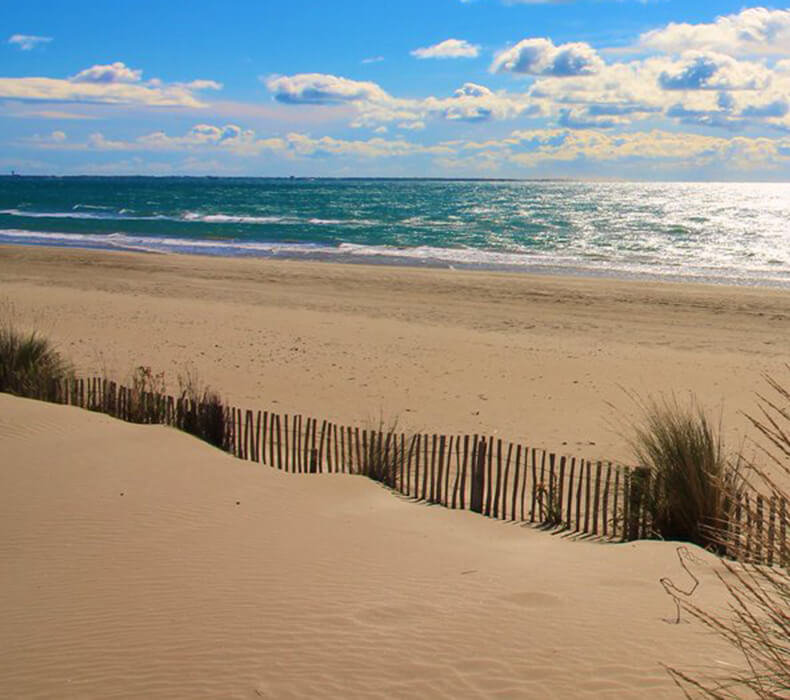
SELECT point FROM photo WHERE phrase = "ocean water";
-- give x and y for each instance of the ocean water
(711, 232)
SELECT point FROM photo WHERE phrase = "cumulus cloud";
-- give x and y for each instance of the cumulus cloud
(111, 73)
(113, 83)
(321, 88)
(542, 57)
(449, 48)
(28, 42)
(698, 70)
(755, 30)
(477, 103)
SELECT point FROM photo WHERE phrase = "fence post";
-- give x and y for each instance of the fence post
(478, 470)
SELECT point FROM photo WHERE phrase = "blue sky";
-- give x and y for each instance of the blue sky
(588, 88)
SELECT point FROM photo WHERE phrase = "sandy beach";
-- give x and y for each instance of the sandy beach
(545, 361)
(143, 563)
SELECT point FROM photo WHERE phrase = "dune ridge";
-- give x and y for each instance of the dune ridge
(142, 563)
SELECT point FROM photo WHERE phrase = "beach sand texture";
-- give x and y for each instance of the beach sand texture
(214, 577)
(140, 562)
(536, 360)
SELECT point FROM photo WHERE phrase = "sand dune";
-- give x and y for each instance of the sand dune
(139, 562)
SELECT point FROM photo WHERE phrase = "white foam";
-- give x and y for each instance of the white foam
(526, 259)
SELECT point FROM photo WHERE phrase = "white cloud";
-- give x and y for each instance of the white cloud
(752, 31)
(449, 48)
(106, 84)
(531, 148)
(321, 88)
(111, 73)
(235, 140)
(542, 57)
(28, 42)
(700, 70)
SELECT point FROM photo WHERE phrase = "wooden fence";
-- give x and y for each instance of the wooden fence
(498, 479)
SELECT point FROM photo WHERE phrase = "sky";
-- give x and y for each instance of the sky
(593, 89)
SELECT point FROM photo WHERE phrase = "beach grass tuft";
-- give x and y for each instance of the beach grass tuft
(30, 365)
(203, 412)
(694, 481)
(386, 454)
(757, 622)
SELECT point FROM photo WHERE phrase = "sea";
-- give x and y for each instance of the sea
(732, 233)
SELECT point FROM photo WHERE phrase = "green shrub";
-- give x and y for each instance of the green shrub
(29, 364)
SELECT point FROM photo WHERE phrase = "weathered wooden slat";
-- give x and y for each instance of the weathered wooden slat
(462, 495)
(337, 449)
(534, 486)
(548, 491)
(606, 499)
(457, 480)
(571, 483)
(489, 476)
(279, 443)
(417, 453)
(597, 498)
(516, 474)
(561, 490)
(447, 470)
(524, 483)
(586, 471)
(626, 503)
(426, 468)
(643, 504)
(506, 480)
(478, 477)
(498, 487)
(616, 502)
(258, 424)
(287, 447)
(343, 454)
(249, 438)
(321, 448)
(440, 468)
(272, 439)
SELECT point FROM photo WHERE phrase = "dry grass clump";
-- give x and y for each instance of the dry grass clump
(30, 365)
(386, 454)
(758, 627)
(694, 484)
(201, 410)
(758, 623)
(146, 396)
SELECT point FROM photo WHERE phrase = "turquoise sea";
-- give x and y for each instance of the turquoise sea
(715, 232)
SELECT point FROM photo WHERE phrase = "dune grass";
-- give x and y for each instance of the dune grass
(203, 412)
(30, 365)
(386, 454)
(758, 623)
(694, 482)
